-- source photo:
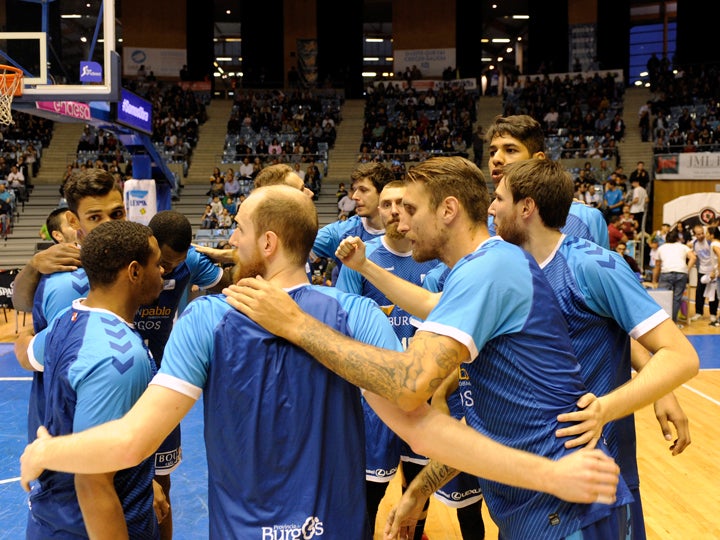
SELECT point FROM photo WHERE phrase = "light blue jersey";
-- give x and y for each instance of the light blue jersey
(383, 447)
(522, 373)
(155, 322)
(96, 367)
(463, 490)
(284, 435)
(604, 306)
(587, 222)
(582, 221)
(54, 294)
(329, 237)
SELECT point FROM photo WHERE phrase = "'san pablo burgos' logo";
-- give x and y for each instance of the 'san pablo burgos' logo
(312, 528)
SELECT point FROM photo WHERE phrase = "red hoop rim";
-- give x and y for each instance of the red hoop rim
(12, 69)
(11, 72)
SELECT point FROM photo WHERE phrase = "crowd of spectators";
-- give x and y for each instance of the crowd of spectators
(177, 116)
(582, 114)
(278, 127)
(683, 111)
(407, 124)
(21, 145)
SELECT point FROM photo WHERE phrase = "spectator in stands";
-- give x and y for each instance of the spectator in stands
(230, 205)
(638, 200)
(641, 174)
(364, 156)
(596, 151)
(346, 207)
(341, 191)
(627, 223)
(622, 250)
(551, 119)
(246, 169)
(16, 182)
(592, 197)
(32, 159)
(313, 181)
(225, 220)
(242, 149)
(618, 128)
(615, 235)
(6, 214)
(217, 205)
(262, 150)
(231, 186)
(209, 219)
(275, 147)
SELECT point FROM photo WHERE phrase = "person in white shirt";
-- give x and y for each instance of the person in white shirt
(705, 267)
(674, 260)
(638, 201)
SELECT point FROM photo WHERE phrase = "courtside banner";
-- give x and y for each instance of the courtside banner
(688, 166)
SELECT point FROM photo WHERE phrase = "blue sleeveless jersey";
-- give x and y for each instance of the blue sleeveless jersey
(54, 293)
(383, 447)
(284, 435)
(522, 373)
(96, 368)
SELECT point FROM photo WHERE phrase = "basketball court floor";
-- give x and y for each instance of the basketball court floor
(190, 480)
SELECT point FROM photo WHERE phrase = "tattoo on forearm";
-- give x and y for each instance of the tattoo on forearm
(434, 476)
(387, 373)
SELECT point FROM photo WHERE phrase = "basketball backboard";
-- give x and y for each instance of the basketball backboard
(70, 53)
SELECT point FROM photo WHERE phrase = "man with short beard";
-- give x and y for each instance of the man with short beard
(286, 435)
(393, 252)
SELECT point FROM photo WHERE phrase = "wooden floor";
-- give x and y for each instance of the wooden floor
(681, 494)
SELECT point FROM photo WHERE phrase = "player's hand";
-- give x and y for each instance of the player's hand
(266, 304)
(63, 257)
(587, 424)
(403, 518)
(586, 476)
(160, 503)
(220, 256)
(29, 470)
(668, 411)
(351, 252)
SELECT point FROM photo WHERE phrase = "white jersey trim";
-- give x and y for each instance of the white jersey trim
(179, 385)
(451, 332)
(648, 324)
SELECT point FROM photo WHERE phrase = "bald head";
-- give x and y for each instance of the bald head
(279, 174)
(287, 212)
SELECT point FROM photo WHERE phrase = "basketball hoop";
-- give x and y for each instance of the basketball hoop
(10, 86)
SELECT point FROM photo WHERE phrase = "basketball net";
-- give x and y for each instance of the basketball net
(10, 80)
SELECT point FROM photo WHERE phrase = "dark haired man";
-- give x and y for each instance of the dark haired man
(96, 366)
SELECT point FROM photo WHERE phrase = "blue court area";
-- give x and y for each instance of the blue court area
(707, 347)
(189, 481)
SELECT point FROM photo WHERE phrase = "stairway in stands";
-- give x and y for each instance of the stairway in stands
(342, 158)
(206, 156)
(21, 244)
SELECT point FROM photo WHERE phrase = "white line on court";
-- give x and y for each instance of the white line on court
(699, 393)
(16, 479)
(4, 379)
